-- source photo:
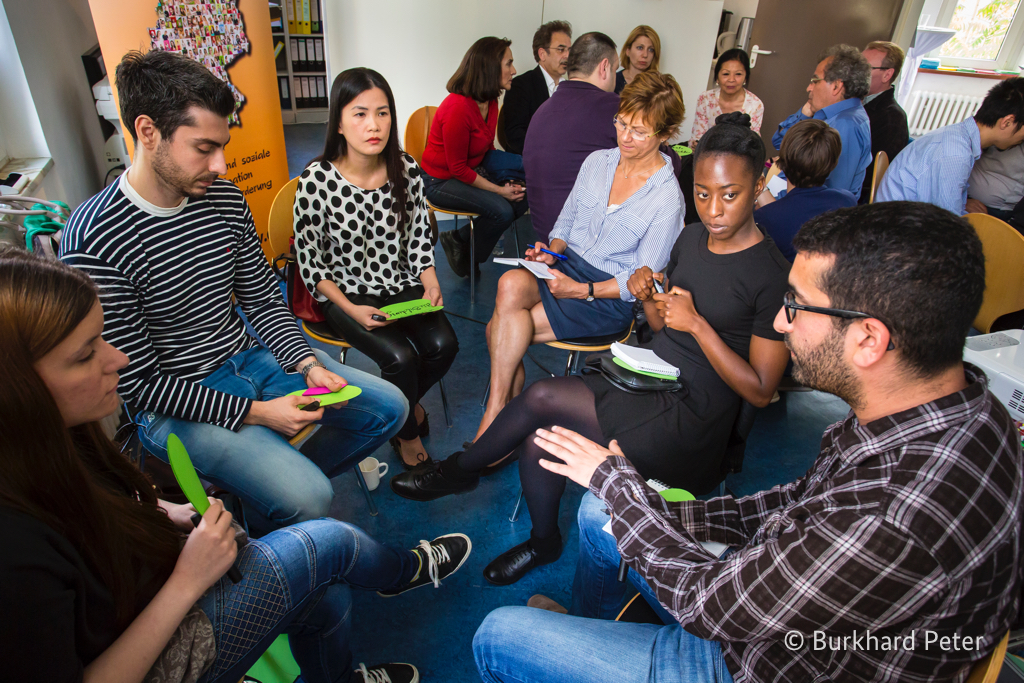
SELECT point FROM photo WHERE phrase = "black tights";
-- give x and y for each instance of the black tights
(563, 401)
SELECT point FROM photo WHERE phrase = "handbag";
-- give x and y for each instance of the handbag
(626, 380)
(300, 301)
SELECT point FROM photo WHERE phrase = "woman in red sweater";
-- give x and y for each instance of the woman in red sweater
(461, 134)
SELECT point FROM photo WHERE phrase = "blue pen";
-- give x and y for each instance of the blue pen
(557, 256)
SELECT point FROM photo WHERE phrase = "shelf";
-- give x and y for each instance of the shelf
(996, 77)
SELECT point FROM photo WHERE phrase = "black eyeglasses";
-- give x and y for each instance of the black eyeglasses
(791, 306)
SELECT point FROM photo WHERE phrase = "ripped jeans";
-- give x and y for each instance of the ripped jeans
(296, 580)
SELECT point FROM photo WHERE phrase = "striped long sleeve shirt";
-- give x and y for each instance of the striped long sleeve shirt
(166, 277)
(906, 530)
(639, 232)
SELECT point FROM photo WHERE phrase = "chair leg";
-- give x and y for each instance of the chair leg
(570, 364)
(515, 232)
(487, 391)
(519, 503)
(444, 402)
(341, 356)
(472, 263)
(366, 491)
(721, 488)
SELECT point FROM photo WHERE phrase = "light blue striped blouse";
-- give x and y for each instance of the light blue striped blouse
(640, 232)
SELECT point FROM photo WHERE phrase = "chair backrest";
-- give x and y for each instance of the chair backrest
(987, 670)
(416, 131)
(500, 133)
(881, 164)
(1004, 269)
(281, 225)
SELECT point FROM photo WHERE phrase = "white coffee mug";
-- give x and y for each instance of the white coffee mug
(372, 471)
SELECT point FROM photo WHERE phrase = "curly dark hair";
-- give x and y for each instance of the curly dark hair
(849, 66)
(916, 267)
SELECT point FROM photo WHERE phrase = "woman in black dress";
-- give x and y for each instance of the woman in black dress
(725, 282)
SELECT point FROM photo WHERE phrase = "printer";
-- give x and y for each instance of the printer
(1001, 356)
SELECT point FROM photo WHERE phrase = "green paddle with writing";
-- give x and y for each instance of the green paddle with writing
(190, 485)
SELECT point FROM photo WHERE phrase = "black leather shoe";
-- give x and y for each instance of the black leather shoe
(514, 564)
(425, 482)
(457, 253)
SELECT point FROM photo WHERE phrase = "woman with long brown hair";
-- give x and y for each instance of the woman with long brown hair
(102, 581)
(641, 52)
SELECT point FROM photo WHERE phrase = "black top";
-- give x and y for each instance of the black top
(528, 92)
(620, 81)
(889, 133)
(57, 615)
(738, 294)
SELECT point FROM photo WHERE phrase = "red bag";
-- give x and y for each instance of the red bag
(300, 301)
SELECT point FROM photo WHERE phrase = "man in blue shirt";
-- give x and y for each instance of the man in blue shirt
(936, 168)
(834, 95)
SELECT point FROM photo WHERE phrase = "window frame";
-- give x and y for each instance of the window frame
(1009, 55)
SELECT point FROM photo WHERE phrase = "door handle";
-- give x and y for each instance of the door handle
(754, 52)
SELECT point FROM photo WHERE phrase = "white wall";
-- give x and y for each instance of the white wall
(51, 36)
(739, 9)
(21, 135)
(424, 40)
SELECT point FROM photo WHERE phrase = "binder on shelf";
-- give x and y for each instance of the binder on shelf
(314, 16)
(297, 91)
(305, 92)
(321, 91)
(280, 59)
(286, 100)
(289, 8)
(294, 50)
(318, 57)
(303, 63)
(306, 24)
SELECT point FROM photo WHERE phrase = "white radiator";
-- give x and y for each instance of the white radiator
(931, 110)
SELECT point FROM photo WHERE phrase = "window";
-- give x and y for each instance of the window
(989, 33)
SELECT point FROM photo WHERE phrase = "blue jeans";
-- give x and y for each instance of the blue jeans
(296, 581)
(280, 485)
(496, 212)
(524, 644)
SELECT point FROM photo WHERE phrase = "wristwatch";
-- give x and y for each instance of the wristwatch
(590, 291)
(309, 366)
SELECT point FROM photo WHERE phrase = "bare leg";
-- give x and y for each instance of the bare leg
(509, 333)
(518, 381)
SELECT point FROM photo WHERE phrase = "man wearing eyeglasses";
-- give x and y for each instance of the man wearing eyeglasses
(529, 90)
(834, 94)
(897, 557)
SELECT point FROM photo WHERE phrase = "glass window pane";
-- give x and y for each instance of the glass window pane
(981, 26)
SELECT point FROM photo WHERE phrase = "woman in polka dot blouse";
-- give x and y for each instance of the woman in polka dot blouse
(363, 241)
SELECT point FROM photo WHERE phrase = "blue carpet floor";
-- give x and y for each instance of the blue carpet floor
(433, 629)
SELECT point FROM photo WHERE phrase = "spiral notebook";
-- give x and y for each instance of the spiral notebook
(643, 360)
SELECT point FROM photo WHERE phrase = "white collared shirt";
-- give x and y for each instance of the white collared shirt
(550, 81)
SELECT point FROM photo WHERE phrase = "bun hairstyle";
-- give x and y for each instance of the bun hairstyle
(732, 135)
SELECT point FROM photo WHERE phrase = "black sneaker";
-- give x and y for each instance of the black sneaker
(426, 482)
(456, 252)
(439, 559)
(389, 673)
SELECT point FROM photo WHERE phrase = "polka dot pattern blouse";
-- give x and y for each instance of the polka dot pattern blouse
(350, 236)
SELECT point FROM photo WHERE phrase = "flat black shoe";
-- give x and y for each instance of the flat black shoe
(516, 563)
(425, 482)
(396, 446)
(457, 253)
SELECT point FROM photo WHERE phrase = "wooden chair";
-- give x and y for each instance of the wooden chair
(416, 131)
(987, 670)
(1004, 269)
(772, 172)
(881, 164)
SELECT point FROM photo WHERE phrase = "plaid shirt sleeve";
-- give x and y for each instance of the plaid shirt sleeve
(845, 571)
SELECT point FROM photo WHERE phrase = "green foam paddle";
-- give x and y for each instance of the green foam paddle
(346, 393)
(677, 495)
(188, 480)
(409, 308)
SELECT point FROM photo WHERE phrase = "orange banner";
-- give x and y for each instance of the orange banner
(232, 38)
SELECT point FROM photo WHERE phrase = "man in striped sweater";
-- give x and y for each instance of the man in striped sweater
(168, 245)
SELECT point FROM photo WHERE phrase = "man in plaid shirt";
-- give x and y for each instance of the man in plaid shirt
(895, 558)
